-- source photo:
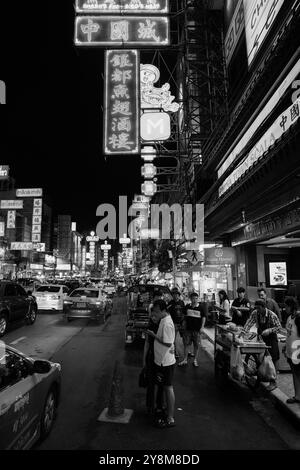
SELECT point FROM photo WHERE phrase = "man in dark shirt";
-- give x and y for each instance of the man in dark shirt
(176, 309)
(193, 325)
(240, 308)
(271, 304)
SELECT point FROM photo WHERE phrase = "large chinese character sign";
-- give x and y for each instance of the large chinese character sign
(122, 31)
(122, 6)
(121, 119)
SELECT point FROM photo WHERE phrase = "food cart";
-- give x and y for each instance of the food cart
(253, 351)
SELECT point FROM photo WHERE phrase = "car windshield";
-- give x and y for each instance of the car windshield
(48, 289)
(85, 293)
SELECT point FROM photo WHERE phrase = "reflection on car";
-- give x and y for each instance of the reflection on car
(29, 396)
(15, 305)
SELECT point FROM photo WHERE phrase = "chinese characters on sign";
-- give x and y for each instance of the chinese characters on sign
(11, 204)
(11, 219)
(20, 246)
(37, 220)
(4, 172)
(122, 6)
(29, 192)
(282, 124)
(121, 121)
(119, 30)
(106, 248)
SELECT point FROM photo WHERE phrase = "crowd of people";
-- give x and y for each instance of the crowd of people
(175, 320)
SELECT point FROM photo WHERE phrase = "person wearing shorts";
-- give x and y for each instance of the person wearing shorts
(164, 357)
(176, 309)
(193, 325)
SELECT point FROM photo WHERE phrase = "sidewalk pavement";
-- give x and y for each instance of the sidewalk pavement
(284, 390)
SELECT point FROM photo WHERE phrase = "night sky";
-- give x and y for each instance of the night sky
(54, 113)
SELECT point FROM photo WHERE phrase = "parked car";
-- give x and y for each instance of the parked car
(51, 296)
(138, 300)
(15, 305)
(29, 396)
(86, 303)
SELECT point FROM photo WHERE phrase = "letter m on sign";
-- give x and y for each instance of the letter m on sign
(155, 126)
(2, 92)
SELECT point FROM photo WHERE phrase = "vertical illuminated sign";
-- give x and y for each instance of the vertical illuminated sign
(121, 114)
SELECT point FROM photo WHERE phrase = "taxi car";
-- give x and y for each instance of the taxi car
(29, 396)
(86, 302)
(51, 296)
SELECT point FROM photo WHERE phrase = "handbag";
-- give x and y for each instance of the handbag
(143, 378)
(266, 371)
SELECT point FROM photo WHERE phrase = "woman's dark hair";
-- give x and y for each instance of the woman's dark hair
(292, 303)
(161, 304)
(224, 294)
(297, 322)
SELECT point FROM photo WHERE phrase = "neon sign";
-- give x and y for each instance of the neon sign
(122, 30)
(121, 117)
(122, 6)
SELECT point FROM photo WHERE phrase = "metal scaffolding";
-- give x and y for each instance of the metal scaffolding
(195, 68)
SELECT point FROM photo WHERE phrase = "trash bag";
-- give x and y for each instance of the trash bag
(236, 363)
(266, 371)
(143, 378)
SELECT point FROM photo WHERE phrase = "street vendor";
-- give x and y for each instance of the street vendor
(267, 324)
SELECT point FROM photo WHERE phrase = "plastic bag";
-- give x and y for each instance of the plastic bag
(236, 363)
(266, 371)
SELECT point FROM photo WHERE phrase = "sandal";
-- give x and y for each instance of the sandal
(182, 363)
(165, 423)
(293, 400)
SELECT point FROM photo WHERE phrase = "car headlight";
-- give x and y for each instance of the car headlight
(67, 302)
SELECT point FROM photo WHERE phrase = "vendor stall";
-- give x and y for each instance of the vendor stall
(236, 357)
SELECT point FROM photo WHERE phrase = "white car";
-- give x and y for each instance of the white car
(51, 296)
(87, 302)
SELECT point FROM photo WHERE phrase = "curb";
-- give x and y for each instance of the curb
(277, 396)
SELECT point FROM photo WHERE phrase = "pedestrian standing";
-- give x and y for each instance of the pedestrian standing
(154, 399)
(193, 325)
(271, 304)
(176, 310)
(164, 358)
(292, 347)
(267, 325)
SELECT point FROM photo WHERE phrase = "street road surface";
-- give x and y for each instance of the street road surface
(207, 417)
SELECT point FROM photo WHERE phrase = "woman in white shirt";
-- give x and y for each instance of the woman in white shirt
(292, 348)
(224, 307)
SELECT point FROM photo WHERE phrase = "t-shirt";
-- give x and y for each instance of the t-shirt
(193, 317)
(166, 332)
(240, 321)
(272, 305)
(176, 310)
(292, 340)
